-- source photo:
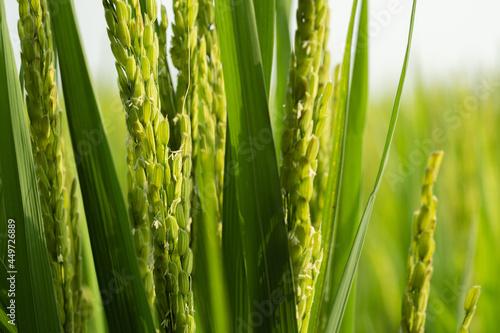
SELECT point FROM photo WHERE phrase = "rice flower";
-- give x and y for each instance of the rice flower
(61, 229)
(158, 187)
(208, 32)
(305, 113)
(326, 138)
(167, 92)
(184, 58)
(81, 302)
(470, 306)
(207, 129)
(135, 47)
(422, 247)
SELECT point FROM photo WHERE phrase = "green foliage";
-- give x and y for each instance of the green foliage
(307, 101)
(422, 247)
(206, 180)
(323, 299)
(107, 219)
(436, 119)
(27, 254)
(263, 238)
(345, 284)
(470, 308)
(59, 210)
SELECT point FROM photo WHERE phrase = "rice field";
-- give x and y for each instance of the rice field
(229, 186)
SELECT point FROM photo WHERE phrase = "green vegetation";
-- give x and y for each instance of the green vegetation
(207, 206)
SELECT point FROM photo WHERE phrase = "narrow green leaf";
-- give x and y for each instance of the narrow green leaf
(262, 229)
(231, 246)
(97, 322)
(283, 49)
(211, 286)
(342, 295)
(350, 200)
(35, 298)
(264, 15)
(468, 272)
(123, 294)
(323, 285)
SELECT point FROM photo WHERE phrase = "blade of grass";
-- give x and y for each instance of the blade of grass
(264, 16)
(117, 269)
(212, 297)
(468, 272)
(35, 298)
(350, 200)
(97, 320)
(342, 295)
(283, 49)
(232, 251)
(332, 192)
(262, 229)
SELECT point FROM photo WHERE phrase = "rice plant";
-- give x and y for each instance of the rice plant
(421, 251)
(470, 308)
(237, 214)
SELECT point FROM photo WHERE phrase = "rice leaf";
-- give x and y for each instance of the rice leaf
(264, 15)
(117, 269)
(323, 285)
(342, 294)
(232, 250)
(35, 302)
(468, 273)
(283, 49)
(97, 322)
(350, 200)
(211, 286)
(257, 190)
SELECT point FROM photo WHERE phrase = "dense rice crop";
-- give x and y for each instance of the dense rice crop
(211, 208)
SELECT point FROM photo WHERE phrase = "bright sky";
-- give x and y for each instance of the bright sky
(452, 37)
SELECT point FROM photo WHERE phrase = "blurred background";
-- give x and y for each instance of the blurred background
(451, 102)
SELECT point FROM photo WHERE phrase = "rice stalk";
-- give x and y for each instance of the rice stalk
(305, 114)
(323, 73)
(61, 229)
(158, 178)
(324, 153)
(422, 247)
(214, 92)
(207, 124)
(326, 138)
(167, 92)
(135, 47)
(470, 307)
(184, 57)
(186, 133)
(80, 301)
